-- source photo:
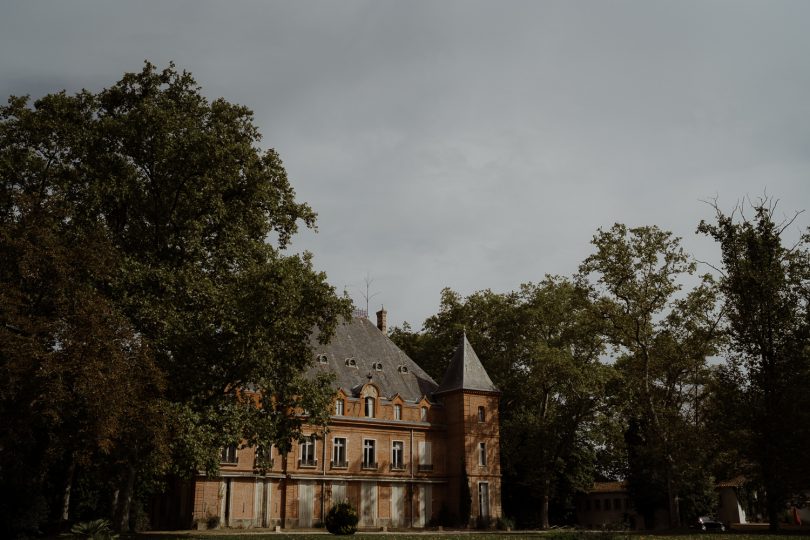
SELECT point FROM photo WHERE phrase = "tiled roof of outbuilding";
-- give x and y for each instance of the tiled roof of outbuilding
(466, 372)
(361, 340)
(608, 487)
(737, 481)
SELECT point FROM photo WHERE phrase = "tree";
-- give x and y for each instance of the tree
(762, 389)
(166, 215)
(662, 341)
(541, 347)
(555, 406)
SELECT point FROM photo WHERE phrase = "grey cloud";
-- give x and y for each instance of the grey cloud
(470, 144)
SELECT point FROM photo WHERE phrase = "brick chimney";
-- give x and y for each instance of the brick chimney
(382, 320)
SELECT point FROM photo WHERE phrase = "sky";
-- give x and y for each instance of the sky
(470, 145)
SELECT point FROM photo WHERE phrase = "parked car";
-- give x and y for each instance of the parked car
(706, 523)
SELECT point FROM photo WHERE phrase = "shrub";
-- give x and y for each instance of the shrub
(445, 518)
(341, 519)
(505, 524)
(483, 522)
(98, 529)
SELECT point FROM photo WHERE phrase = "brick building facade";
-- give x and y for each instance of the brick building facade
(400, 448)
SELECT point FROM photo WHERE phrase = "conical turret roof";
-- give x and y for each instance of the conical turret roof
(466, 372)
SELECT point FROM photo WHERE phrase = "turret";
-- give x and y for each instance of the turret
(471, 408)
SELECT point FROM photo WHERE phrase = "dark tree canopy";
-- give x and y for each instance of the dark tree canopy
(541, 346)
(662, 339)
(762, 404)
(145, 284)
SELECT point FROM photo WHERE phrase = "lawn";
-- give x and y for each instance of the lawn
(517, 535)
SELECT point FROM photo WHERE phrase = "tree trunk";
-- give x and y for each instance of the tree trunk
(544, 504)
(125, 501)
(283, 515)
(66, 491)
(674, 519)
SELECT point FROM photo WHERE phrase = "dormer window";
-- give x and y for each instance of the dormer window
(369, 396)
(423, 414)
(403, 369)
(323, 359)
(378, 366)
(351, 362)
(369, 407)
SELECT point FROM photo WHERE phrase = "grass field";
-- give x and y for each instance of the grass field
(517, 535)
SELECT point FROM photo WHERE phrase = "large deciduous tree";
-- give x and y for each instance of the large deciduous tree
(541, 347)
(142, 238)
(662, 339)
(762, 402)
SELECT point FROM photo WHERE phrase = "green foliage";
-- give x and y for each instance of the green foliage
(483, 523)
(662, 339)
(341, 519)
(98, 529)
(541, 347)
(144, 285)
(504, 523)
(762, 405)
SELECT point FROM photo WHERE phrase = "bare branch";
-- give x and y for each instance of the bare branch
(710, 265)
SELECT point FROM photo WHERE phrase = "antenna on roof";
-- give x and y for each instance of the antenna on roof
(366, 295)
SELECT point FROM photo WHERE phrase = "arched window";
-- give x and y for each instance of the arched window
(370, 407)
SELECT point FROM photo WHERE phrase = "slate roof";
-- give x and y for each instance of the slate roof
(466, 372)
(360, 339)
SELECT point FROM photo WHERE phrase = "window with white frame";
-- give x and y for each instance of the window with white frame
(425, 458)
(397, 412)
(398, 455)
(423, 414)
(339, 404)
(369, 407)
(483, 499)
(339, 452)
(482, 454)
(307, 452)
(264, 457)
(228, 454)
(369, 454)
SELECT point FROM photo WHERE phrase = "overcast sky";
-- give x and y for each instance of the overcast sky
(470, 145)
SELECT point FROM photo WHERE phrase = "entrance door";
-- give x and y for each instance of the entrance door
(338, 492)
(483, 499)
(264, 502)
(397, 505)
(368, 515)
(425, 505)
(305, 503)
